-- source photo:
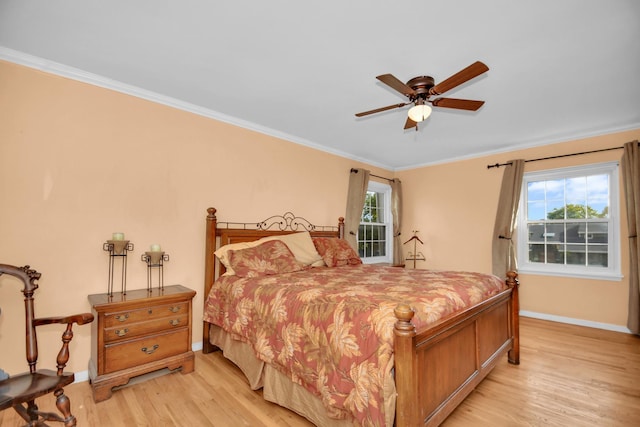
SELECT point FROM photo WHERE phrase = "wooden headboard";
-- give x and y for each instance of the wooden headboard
(223, 233)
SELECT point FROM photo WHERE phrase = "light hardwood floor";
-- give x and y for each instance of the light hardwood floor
(569, 376)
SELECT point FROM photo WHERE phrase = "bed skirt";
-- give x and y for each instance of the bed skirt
(279, 389)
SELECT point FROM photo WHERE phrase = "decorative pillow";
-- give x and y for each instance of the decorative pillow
(223, 253)
(336, 252)
(300, 245)
(272, 257)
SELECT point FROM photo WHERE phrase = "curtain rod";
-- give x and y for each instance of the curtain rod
(353, 170)
(497, 165)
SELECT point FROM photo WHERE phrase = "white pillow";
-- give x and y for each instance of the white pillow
(300, 244)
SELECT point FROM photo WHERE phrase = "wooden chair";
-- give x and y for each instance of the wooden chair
(20, 391)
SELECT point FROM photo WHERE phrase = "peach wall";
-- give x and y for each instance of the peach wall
(453, 207)
(78, 162)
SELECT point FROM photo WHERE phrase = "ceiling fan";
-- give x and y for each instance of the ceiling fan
(420, 89)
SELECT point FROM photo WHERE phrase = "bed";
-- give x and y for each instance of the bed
(372, 345)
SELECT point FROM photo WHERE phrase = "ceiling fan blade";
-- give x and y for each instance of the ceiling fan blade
(396, 84)
(378, 110)
(409, 124)
(473, 70)
(460, 104)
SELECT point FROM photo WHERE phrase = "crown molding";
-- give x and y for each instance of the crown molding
(66, 71)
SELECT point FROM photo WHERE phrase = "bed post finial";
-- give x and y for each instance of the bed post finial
(341, 227)
(512, 279)
(404, 314)
(211, 213)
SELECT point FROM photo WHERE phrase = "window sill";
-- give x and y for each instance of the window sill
(384, 264)
(613, 277)
(378, 260)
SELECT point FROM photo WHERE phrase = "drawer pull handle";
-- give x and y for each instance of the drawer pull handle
(150, 350)
(122, 317)
(174, 322)
(150, 311)
(174, 309)
(122, 332)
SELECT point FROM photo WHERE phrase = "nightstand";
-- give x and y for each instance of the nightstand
(137, 333)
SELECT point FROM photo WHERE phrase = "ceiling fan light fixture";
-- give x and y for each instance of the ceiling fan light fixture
(419, 113)
(420, 89)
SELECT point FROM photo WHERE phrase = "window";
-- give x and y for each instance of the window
(568, 222)
(376, 227)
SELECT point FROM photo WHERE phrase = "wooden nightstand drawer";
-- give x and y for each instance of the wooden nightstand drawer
(144, 350)
(132, 330)
(143, 314)
(139, 332)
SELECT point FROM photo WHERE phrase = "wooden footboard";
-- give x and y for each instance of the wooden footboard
(436, 368)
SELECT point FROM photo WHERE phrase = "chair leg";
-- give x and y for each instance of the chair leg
(64, 406)
(28, 413)
(35, 417)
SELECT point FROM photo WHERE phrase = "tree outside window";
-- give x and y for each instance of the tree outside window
(566, 226)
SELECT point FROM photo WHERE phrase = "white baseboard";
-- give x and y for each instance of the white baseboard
(83, 376)
(572, 321)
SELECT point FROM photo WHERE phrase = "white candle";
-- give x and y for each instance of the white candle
(155, 248)
(118, 236)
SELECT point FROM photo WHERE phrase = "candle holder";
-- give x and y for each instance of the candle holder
(117, 249)
(155, 259)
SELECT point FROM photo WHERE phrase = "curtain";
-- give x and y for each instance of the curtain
(631, 178)
(503, 248)
(358, 182)
(396, 212)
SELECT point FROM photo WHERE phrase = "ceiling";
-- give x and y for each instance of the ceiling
(559, 70)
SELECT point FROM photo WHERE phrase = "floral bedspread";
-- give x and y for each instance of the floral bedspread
(331, 329)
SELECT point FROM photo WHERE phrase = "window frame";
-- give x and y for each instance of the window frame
(385, 190)
(613, 270)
